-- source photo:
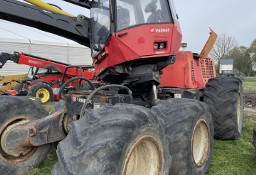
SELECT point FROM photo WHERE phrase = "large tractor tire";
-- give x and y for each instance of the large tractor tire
(19, 86)
(189, 128)
(224, 96)
(42, 91)
(22, 85)
(114, 140)
(17, 111)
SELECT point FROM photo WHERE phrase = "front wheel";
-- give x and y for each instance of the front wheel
(188, 125)
(115, 140)
(42, 91)
(17, 111)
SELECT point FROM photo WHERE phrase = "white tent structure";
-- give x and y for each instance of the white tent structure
(71, 53)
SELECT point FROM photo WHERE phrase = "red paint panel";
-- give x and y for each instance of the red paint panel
(117, 53)
(141, 39)
(188, 72)
(176, 38)
(40, 63)
(175, 74)
(138, 42)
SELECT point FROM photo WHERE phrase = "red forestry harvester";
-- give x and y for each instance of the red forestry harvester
(45, 76)
(132, 124)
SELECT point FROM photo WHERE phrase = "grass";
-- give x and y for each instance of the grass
(48, 106)
(235, 157)
(46, 166)
(229, 157)
(249, 85)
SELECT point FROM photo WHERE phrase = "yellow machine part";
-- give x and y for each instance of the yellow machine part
(209, 44)
(48, 7)
(7, 82)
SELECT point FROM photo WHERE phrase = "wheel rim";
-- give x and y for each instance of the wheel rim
(144, 157)
(29, 151)
(200, 142)
(43, 94)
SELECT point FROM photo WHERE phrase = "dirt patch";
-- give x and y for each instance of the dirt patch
(250, 100)
(251, 110)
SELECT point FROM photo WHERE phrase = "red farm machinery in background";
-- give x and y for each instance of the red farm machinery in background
(45, 76)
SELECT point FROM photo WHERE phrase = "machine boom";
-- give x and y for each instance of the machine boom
(62, 25)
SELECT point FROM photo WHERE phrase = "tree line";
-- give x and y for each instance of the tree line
(227, 47)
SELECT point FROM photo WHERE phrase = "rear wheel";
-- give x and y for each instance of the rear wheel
(17, 111)
(224, 96)
(115, 140)
(189, 128)
(42, 91)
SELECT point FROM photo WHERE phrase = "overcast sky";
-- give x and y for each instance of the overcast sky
(233, 17)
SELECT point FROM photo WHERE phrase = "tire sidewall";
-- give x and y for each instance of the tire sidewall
(160, 138)
(201, 168)
(241, 98)
(180, 117)
(20, 108)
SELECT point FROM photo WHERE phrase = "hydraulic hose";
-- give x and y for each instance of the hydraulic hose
(73, 79)
(48, 7)
(82, 112)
